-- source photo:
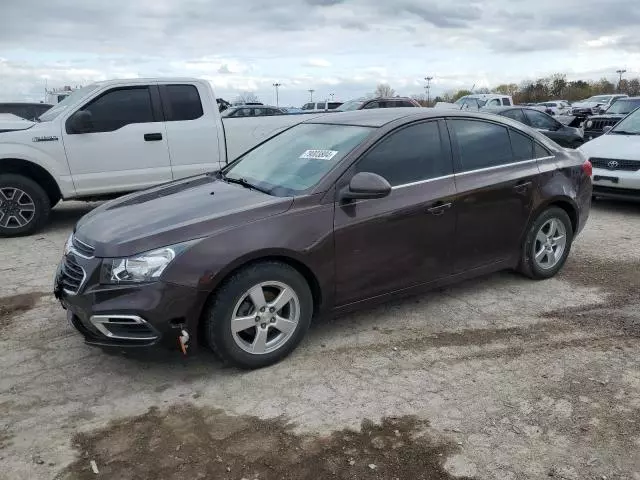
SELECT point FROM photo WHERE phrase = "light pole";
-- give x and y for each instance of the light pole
(620, 72)
(331, 95)
(428, 88)
(311, 90)
(277, 85)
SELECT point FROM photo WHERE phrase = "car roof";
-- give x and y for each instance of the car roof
(381, 116)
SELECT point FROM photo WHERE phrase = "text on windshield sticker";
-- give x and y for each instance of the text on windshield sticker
(319, 154)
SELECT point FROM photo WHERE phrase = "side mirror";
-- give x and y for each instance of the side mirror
(607, 129)
(80, 122)
(365, 185)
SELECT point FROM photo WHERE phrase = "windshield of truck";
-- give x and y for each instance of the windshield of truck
(350, 105)
(70, 100)
(629, 125)
(622, 107)
(297, 159)
(468, 102)
(599, 99)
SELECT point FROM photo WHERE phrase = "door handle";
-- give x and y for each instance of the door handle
(522, 187)
(438, 208)
(152, 137)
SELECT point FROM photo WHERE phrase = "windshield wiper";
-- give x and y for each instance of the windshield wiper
(242, 182)
(624, 132)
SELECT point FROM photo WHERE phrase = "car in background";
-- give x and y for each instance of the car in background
(292, 110)
(315, 107)
(26, 110)
(563, 135)
(478, 101)
(251, 111)
(594, 105)
(380, 102)
(342, 210)
(615, 157)
(555, 108)
(595, 125)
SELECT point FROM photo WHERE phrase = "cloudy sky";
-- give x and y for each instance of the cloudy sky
(343, 47)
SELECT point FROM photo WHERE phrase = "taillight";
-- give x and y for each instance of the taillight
(587, 168)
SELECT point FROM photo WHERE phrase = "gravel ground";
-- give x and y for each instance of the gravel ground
(495, 378)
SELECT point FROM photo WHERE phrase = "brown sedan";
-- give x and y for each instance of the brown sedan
(332, 214)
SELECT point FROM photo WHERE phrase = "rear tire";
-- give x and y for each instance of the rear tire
(24, 206)
(547, 244)
(247, 327)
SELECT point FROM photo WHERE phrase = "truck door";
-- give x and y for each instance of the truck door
(122, 145)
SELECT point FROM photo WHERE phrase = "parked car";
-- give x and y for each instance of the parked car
(116, 137)
(320, 106)
(594, 105)
(380, 102)
(477, 101)
(252, 111)
(595, 125)
(341, 211)
(26, 110)
(616, 159)
(563, 135)
(555, 108)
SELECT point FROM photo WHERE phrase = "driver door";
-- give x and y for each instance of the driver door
(388, 244)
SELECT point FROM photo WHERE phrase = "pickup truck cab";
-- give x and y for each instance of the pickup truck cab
(478, 101)
(116, 137)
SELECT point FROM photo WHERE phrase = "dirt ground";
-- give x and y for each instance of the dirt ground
(496, 378)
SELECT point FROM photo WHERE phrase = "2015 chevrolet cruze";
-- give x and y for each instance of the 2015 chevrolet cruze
(332, 214)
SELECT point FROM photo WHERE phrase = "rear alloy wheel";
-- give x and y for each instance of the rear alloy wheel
(547, 244)
(24, 206)
(259, 315)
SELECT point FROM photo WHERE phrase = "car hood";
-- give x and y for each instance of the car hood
(586, 104)
(9, 123)
(622, 147)
(173, 213)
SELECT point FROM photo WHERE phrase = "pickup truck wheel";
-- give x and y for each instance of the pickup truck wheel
(259, 315)
(24, 206)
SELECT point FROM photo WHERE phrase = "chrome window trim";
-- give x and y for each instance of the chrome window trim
(99, 322)
(505, 165)
(419, 182)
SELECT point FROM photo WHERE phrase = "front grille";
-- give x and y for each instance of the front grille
(615, 164)
(72, 275)
(82, 248)
(598, 125)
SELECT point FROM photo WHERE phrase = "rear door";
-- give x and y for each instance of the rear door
(192, 130)
(126, 148)
(496, 175)
(387, 244)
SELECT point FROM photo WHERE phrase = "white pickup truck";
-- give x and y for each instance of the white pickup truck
(115, 137)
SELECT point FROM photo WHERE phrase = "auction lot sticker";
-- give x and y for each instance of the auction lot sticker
(319, 154)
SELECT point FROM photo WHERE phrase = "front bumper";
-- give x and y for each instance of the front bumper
(131, 315)
(616, 184)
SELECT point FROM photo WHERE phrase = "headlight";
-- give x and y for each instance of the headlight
(145, 267)
(589, 124)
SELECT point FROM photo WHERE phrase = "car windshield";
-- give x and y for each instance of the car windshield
(70, 100)
(470, 102)
(599, 99)
(622, 107)
(350, 105)
(297, 159)
(629, 125)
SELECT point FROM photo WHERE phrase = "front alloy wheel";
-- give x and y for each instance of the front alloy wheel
(17, 208)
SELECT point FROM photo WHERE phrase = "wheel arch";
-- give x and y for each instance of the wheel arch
(565, 203)
(35, 172)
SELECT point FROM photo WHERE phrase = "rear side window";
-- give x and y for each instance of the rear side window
(506, 102)
(540, 151)
(120, 107)
(481, 144)
(408, 155)
(183, 103)
(522, 146)
(515, 115)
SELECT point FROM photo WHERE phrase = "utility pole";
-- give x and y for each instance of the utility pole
(277, 85)
(620, 72)
(311, 90)
(428, 89)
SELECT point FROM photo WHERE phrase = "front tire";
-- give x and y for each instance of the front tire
(259, 315)
(24, 206)
(547, 244)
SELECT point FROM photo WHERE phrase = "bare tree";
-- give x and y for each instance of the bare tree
(384, 90)
(247, 97)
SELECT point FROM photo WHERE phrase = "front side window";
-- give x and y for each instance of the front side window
(334, 105)
(183, 103)
(371, 105)
(297, 159)
(481, 144)
(408, 155)
(120, 107)
(541, 120)
(494, 103)
(308, 106)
